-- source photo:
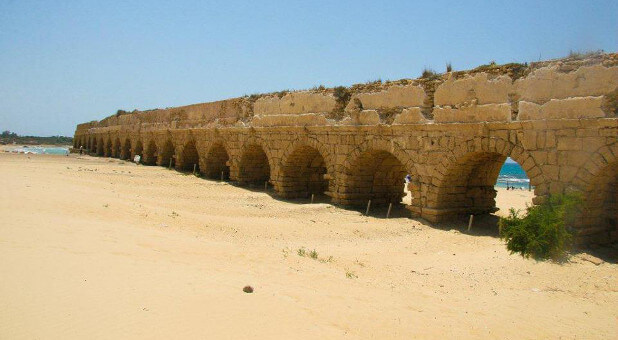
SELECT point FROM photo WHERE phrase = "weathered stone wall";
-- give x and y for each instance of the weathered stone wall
(556, 120)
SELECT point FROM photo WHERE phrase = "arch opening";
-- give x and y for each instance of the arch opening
(217, 163)
(377, 176)
(304, 174)
(167, 154)
(479, 184)
(600, 218)
(254, 167)
(139, 151)
(190, 157)
(100, 148)
(116, 148)
(150, 157)
(108, 148)
(126, 149)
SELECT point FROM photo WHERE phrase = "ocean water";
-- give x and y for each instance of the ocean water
(513, 175)
(42, 150)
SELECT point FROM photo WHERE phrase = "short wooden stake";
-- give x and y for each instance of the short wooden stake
(170, 167)
(221, 176)
(470, 222)
(368, 206)
(266, 185)
(312, 196)
(529, 186)
(194, 168)
(388, 213)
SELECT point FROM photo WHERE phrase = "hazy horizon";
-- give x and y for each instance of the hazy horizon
(73, 62)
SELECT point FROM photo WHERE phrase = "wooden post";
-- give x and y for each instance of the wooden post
(470, 222)
(388, 213)
(312, 196)
(265, 185)
(368, 206)
(170, 167)
(529, 186)
(194, 168)
(221, 176)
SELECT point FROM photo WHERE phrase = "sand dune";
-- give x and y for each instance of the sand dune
(100, 248)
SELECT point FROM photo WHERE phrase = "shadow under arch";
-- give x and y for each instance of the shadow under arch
(304, 172)
(150, 156)
(116, 148)
(190, 157)
(125, 153)
(216, 164)
(139, 150)
(466, 180)
(253, 166)
(376, 171)
(100, 147)
(108, 147)
(167, 156)
(599, 218)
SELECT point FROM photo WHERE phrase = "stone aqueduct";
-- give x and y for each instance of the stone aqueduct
(450, 132)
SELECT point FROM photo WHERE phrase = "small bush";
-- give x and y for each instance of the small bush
(428, 73)
(449, 67)
(546, 230)
(301, 252)
(313, 254)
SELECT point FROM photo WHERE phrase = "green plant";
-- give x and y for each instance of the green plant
(449, 67)
(545, 231)
(350, 275)
(428, 73)
(313, 254)
(301, 252)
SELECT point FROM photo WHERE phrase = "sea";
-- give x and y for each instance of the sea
(512, 175)
(52, 150)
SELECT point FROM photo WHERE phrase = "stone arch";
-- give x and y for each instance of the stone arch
(598, 181)
(100, 147)
(167, 154)
(116, 148)
(151, 153)
(217, 162)
(125, 153)
(464, 181)
(108, 147)
(139, 150)
(376, 171)
(190, 157)
(254, 166)
(306, 168)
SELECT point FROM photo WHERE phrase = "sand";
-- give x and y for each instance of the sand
(100, 248)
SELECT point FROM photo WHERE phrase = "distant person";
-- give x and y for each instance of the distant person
(81, 149)
(137, 158)
(408, 178)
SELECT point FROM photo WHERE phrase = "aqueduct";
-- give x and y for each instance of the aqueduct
(451, 133)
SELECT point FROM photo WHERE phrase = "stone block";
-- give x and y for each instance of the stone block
(393, 96)
(548, 83)
(294, 103)
(477, 87)
(474, 113)
(570, 108)
(411, 115)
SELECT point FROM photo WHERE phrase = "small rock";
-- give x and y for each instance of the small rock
(247, 289)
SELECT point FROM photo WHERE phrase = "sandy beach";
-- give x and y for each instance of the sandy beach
(101, 248)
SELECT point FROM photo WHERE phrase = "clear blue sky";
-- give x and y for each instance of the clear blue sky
(66, 62)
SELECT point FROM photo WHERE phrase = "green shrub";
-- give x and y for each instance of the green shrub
(546, 230)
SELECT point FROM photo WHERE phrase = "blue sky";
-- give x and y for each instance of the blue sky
(66, 62)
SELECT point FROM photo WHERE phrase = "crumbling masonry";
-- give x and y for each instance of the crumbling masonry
(450, 132)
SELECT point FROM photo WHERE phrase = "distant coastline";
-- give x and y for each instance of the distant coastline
(11, 138)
